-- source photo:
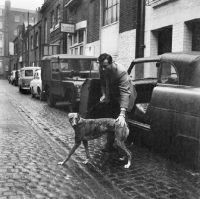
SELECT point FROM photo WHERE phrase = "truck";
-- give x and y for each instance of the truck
(63, 75)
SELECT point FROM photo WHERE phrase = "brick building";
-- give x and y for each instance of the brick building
(123, 28)
(10, 19)
(51, 36)
(172, 25)
(102, 26)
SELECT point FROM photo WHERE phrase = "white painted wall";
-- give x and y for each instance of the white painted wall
(109, 39)
(174, 13)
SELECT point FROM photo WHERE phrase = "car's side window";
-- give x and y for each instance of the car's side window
(55, 67)
(168, 74)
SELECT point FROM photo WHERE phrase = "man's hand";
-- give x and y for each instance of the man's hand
(121, 120)
(103, 98)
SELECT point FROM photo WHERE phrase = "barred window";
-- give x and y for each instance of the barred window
(110, 11)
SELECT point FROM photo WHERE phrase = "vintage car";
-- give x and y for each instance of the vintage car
(26, 75)
(63, 75)
(36, 85)
(166, 115)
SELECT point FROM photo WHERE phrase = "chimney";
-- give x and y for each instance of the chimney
(7, 4)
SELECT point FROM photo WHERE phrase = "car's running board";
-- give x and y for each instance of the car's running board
(143, 126)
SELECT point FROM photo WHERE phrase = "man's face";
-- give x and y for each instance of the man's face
(104, 64)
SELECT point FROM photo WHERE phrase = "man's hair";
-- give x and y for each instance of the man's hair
(105, 56)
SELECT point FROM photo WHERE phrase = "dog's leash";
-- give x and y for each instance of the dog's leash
(92, 107)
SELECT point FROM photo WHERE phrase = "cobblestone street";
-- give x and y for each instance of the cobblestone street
(35, 137)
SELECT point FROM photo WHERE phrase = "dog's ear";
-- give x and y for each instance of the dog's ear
(70, 115)
(79, 118)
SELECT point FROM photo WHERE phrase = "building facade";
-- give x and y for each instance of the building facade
(10, 19)
(123, 28)
(171, 26)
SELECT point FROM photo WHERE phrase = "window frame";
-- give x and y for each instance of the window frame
(77, 47)
(17, 18)
(58, 14)
(107, 6)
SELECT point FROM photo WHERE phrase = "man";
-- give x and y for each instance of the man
(117, 92)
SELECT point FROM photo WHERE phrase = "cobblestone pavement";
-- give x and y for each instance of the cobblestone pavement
(28, 162)
(150, 175)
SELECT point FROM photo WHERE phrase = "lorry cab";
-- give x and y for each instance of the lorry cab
(63, 75)
(26, 74)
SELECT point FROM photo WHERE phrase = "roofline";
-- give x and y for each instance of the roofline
(67, 56)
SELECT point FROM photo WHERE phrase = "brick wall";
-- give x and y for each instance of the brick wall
(126, 51)
(127, 15)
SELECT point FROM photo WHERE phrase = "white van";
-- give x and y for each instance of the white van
(25, 76)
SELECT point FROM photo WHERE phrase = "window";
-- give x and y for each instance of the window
(1, 13)
(1, 25)
(1, 51)
(16, 18)
(1, 37)
(28, 73)
(168, 74)
(76, 42)
(27, 43)
(37, 40)
(110, 11)
(31, 42)
(15, 32)
(58, 14)
(55, 67)
(45, 31)
(52, 19)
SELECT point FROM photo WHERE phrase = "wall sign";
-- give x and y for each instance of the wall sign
(67, 27)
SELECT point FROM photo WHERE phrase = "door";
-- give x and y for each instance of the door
(56, 78)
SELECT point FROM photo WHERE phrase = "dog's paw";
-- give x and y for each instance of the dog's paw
(60, 163)
(86, 161)
(123, 158)
(127, 165)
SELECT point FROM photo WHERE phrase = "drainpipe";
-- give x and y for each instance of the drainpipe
(139, 46)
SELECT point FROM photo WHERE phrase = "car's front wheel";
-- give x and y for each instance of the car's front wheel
(20, 89)
(50, 98)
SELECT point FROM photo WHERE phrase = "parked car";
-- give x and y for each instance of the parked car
(25, 77)
(36, 85)
(9, 79)
(63, 76)
(14, 77)
(166, 115)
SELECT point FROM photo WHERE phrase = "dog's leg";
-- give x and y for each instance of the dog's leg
(76, 145)
(123, 147)
(85, 143)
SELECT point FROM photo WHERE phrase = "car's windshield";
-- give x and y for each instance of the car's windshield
(78, 65)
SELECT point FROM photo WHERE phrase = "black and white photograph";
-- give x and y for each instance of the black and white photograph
(99, 99)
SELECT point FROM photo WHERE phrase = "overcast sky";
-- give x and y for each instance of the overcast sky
(24, 4)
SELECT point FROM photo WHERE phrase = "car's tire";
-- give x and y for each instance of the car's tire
(73, 107)
(32, 93)
(20, 89)
(50, 98)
